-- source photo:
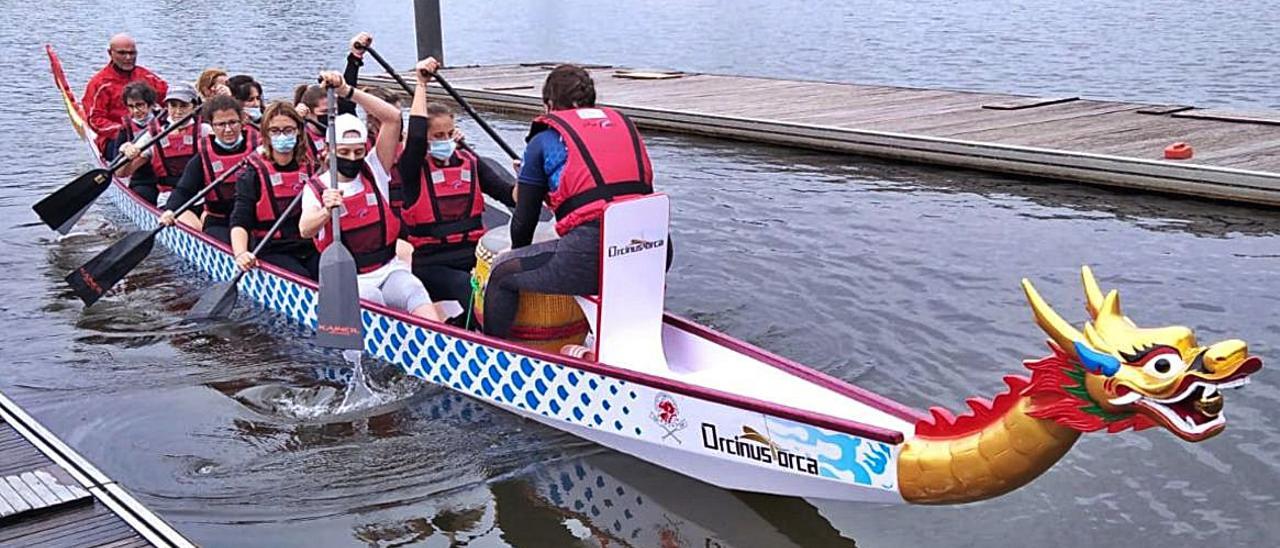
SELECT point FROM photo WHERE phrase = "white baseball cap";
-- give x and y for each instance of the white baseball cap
(344, 124)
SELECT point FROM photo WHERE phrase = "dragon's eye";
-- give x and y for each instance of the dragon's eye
(1163, 363)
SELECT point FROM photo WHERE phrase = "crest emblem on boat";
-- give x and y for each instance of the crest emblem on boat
(666, 414)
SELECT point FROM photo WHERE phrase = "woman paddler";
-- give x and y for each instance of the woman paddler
(444, 196)
(579, 157)
(264, 190)
(140, 99)
(369, 225)
(217, 153)
(351, 75)
(309, 100)
(170, 156)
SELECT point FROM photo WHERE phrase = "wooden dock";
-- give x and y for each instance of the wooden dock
(51, 496)
(1236, 154)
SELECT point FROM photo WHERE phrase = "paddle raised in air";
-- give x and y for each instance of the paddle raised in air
(338, 322)
(496, 214)
(63, 208)
(219, 300)
(97, 276)
(452, 92)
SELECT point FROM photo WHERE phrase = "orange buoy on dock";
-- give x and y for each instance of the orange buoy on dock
(1178, 151)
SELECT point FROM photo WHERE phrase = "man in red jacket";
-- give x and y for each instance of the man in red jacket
(103, 103)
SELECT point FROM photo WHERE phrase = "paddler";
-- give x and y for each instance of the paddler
(309, 100)
(140, 99)
(579, 157)
(249, 92)
(222, 150)
(351, 75)
(212, 82)
(169, 157)
(266, 187)
(443, 200)
(369, 225)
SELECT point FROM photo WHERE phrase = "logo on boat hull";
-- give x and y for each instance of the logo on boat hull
(636, 245)
(753, 445)
(666, 414)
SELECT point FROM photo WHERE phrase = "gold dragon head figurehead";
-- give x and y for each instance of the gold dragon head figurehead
(1116, 375)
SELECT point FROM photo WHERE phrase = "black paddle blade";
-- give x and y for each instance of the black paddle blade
(68, 202)
(338, 309)
(102, 272)
(216, 303)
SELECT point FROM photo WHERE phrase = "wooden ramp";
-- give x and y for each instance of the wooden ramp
(50, 496)
(1237, 154)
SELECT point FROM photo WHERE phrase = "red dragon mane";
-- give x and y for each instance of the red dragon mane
(1057, 393)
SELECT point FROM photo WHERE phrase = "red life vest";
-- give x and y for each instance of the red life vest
(315, 136)
(276, 190)
(170, 155)
(606, 161)
(218, 201)
(129, 129)
(449, 205)
(369, 226)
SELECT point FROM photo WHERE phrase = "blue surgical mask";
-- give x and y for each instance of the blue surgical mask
(442, 150)
(255, 114)
(284, 143)
(224, 146)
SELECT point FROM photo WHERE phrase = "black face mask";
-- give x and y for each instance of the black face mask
(349, 168)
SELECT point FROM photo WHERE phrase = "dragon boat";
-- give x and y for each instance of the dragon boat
(687, 398)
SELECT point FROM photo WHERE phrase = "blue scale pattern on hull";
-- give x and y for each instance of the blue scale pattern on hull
(506, 379)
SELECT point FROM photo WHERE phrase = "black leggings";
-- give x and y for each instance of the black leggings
(567, 266)
(146, 189)
(218, 229)
(445, 282)
(299, 262)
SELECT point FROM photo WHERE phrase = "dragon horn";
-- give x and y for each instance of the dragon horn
(1092, 293)
(1095, 340)
(1053, 325)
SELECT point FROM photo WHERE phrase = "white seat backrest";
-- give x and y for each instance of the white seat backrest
(633, 270)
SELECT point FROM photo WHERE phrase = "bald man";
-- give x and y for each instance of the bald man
(103, 97)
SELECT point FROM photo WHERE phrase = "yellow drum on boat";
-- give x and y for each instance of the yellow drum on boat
(543, 321)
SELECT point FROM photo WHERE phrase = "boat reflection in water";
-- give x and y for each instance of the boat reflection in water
(601, 499)
(558, 498)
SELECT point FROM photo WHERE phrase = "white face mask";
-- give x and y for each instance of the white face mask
(151, 114)
(231, 145)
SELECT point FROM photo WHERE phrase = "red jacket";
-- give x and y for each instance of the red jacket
(104, 103)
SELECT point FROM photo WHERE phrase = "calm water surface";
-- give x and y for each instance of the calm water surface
(902, 279)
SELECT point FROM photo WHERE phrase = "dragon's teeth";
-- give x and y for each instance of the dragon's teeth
(1126, 399)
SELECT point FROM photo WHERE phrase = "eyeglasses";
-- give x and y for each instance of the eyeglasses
(226, 125)
(126, 52)
(136, 106)
(282, 131)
